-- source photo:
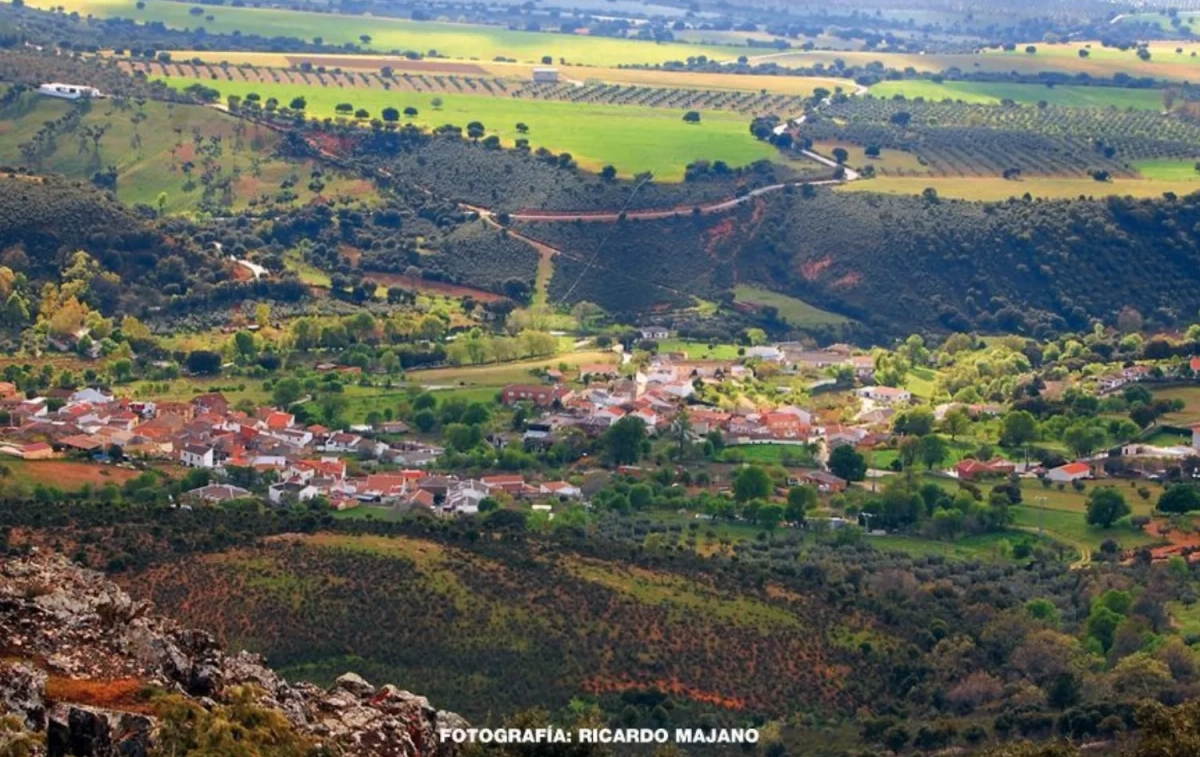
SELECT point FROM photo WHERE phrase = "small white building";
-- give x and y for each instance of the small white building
(292, 491)
(197, 456)
(886, 394)
(545, 74)
(68, 91)
(655, 332)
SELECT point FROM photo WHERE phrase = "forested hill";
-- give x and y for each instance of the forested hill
(906, 263)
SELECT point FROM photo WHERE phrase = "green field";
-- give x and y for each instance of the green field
(1191, 400)
(990, 547)
(700, 350)
(1168, 170)
(633, 139)
(149, 145)
(797, 312)
(388, 34)
(1029, 94)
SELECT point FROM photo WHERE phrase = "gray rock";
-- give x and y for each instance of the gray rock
(22, 692)
(355, 684)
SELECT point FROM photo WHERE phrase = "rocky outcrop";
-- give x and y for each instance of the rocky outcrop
(75, 651)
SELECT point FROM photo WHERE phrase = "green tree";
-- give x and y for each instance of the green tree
(800, 499)
(934, 451)
(956, 423)
(751, 482)
(330, 407)
(846, 462)
(1018, 428)
(1083, 438)
(623, 440)
(1179, 498)
(769, 516)
(1105, 506)
(286, 392)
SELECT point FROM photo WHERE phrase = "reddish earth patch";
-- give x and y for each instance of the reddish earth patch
(433, 287)
(1182, 540)
(351, 254)
(811, 269)
(122, 694)
(601, 684)
(71, 475)
(374, 64)
(849, 280)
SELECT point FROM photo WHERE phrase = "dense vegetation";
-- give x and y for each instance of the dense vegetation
(911, 262)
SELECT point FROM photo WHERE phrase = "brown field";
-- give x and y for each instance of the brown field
(889, 162)
(784, 85)
(988, 188)
(374, 63)
(67, 475)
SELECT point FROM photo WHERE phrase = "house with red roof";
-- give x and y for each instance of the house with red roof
(1065, 474)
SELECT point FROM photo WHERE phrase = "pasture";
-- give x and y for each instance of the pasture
(988, 93)
(1168, 170)
(386, 34)
(1190, 394)
(632, 139)
(889, 162)
(997, 189)
(149, 147)
(797, 312)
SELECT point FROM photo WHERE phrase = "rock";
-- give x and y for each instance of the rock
(22, 690)
(59, 617)
(78, 731)
(355, 684)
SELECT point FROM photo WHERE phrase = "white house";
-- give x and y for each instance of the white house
(560, 489)
(886, 394)
(766, 353)
(68, 91)
(1065, 474)
(464, 497)
(545, 74)
(197, 456)
(292, 491)
(655, 332)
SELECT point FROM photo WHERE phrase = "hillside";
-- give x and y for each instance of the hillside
(88, 671)
(169, 156)
(903, 264)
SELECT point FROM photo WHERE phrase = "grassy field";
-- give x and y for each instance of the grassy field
(797, 312)
(148, 147)
(393, 34)
(783, 85)
(1191, 398)
(1168, 170)
(988, 188)
(700, 350)
(888, 162)
(989, 547)
(992, 93)
(633, 139)
(506, 373)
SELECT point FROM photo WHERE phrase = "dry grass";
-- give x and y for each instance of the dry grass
(988, 188)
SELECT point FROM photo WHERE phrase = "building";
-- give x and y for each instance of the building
(545, 75)
(539, 394)
(68, 91)
(969, 470)
(292, 491)
(826, 483)
(886, 394)
(1065, 474)
(219, 493)
(655, 333)
(197, 456)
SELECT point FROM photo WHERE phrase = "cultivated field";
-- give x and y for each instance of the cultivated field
(633, 139)
(797, 312)
(887, 163)
(393, 34)
(801, 86)
(1028, 94)
(983, 188)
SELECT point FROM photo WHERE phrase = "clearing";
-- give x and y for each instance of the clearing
(797, 312)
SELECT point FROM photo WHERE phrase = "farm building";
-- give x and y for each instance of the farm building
(545, 74)
(68, 91)
(1065, 474)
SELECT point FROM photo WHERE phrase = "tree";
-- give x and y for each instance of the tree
(751, 482)
(1179, 498)
(298, 103)
(624, 439)
(1018, 428)
(330, 407)
(800, 499)
(522, 127)
(691, 117)
(1083, 438)
(608, 172)
(161, 202)
(934, 450)
(389, 115)
(203, 362)
(411, 112)
(1105, 506)
(436, 103)
(286, 392)
(846, 462)
(841, 154)
(769, 516)
(956, 423)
